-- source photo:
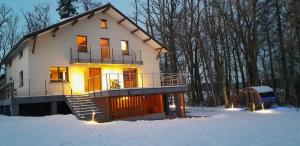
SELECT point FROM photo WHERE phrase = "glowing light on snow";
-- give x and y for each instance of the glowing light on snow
(265, 111)
(92, 123)
(234, 109)
(93, 116)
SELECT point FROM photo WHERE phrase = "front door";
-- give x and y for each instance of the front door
(104, 44)
(95, 79)
(130, 77)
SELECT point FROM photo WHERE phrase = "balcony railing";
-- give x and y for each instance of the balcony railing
(105, 82)
(115, 81)
(83, 54)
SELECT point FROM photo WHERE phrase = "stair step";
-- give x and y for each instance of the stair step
(87, 102)
(83, 107)
(79, 100)
(88, 111)
(90, 117)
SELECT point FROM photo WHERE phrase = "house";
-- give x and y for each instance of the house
(98, 63)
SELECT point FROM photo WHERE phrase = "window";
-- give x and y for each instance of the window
(103, 23)
(130, 77)
(105, 48)
(124, 47)
(82, 43)
(58, 74)
(21, 54)
(21, 83)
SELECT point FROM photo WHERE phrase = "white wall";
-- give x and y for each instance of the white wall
(19, 64)
(55, 51)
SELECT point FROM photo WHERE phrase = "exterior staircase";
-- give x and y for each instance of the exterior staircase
(82, 106)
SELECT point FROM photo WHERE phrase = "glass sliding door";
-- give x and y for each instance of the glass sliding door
(95, 79)
(130, 77)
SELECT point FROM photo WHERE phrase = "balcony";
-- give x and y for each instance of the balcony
(122, 84)
(104, 55)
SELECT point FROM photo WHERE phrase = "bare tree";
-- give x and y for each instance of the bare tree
(8, 30)
(90, 4)
(37, 18)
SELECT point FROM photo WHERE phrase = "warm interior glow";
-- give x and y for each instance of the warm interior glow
(124, 47)
(105, 48)
(110, 77)
(58, 74)
(103, 23)
(77, 80)
(82, 43)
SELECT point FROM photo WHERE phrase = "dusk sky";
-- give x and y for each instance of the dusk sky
(17, 5)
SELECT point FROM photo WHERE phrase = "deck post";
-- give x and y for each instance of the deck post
(62, 87)
(94, 86)
(118, 80)
(108, 108)
(77, 55)
(45, 87)
(132, 58)
(71, 54)
(178, 104)
(182, 104)
(15, 111)
(112, 54)
(29, 87)
(53, 108)
(142, 80)
(140, 55)
(90, 54)
(106, 82)
(153, 80)
(88, 84)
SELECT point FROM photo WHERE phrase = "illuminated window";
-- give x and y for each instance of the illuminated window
(124, 47)
(58, 74)
(130, 77)
(21, 83)
(103, 23)
(105, 48)
(82, 43)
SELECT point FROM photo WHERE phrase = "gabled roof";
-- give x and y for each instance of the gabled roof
(108, 8)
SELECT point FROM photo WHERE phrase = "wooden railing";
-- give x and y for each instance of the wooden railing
(113, 56)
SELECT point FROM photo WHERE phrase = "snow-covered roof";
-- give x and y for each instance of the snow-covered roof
(262, 89)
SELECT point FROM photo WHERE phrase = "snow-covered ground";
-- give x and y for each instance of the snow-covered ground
(213, 126)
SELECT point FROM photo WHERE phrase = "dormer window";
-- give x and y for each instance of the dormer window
(124, 47)
(103, 23)
(82, 43)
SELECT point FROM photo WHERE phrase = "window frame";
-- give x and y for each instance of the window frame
(106, 23)
(86, 46)
(125, 52)
(58, 71)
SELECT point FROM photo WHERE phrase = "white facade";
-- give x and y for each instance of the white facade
(53, 50)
